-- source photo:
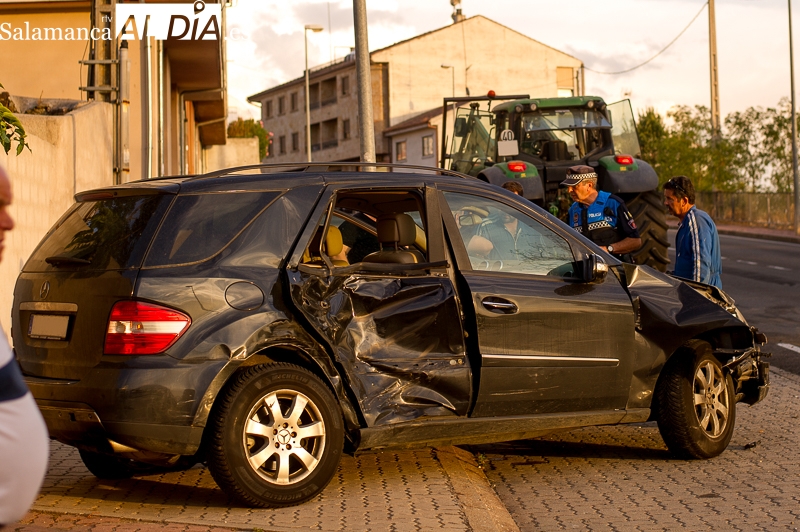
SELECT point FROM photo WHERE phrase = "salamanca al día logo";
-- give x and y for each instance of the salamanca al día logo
(195, 22)
(186, 22)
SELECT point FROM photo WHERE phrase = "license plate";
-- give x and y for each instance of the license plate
(48, 326)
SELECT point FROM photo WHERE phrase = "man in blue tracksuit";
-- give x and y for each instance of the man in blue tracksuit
(600, 216)
(697, 252)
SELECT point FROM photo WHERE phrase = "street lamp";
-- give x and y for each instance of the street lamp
(454, 77)
(315, 29)
(795, 179)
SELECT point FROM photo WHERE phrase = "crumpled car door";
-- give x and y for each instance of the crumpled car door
(395, 335)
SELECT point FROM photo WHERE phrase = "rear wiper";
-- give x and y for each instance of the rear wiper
(58, 260)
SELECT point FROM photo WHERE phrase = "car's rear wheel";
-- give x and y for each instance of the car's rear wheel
(276, 436)
(650, 216)
(697, 406)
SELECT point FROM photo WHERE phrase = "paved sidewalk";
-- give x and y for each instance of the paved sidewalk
(623, 478)
(440, 489)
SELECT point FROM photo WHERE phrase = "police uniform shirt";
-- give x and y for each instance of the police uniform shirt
(604, 222)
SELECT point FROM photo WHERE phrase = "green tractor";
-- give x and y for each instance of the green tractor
(536, 140)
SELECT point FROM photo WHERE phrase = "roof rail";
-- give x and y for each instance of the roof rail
(326, 167)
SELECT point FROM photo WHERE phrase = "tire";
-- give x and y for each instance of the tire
(697, 406)
(651, 218)
(109, 467)
(257, 453)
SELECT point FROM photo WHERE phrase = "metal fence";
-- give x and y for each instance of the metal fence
(757, 209)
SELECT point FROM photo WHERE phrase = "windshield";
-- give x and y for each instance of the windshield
(562, 134)
(473, 140)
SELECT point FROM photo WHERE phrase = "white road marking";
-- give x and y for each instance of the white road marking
(781, 268)
(747, 262)
(790, 347)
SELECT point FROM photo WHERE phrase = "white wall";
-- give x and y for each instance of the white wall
(69, 154)
(236, 152)
(485, 55)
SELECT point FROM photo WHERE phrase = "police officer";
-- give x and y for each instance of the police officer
(600, 216)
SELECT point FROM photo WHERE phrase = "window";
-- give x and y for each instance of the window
(111, 234)
(427, 145)
(282, 144)
(497, 237)
(565, 79)
(345, 85)
(198, 227)
(293, 101)
(295, 141)
(268, 109)
(281, 105)
(346, 128)
(400, 151)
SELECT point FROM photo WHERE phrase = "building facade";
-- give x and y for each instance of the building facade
(410, 78)
(170, 96)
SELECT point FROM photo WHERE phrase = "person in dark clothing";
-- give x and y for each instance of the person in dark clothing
(599, 215)
(513, 186)
(358, 242)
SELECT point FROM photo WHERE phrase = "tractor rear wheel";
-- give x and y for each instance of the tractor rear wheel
(650, 215)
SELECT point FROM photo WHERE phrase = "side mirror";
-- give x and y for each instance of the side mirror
(460, 127)
(593, 268)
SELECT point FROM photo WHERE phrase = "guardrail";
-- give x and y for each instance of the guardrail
(761, 209)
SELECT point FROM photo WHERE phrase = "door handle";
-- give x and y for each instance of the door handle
(500, 306)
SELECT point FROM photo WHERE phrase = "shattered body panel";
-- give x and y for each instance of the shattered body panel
(670, 312)
(398, 341)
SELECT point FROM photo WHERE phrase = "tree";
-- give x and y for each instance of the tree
(748, 154)
(11, 130)
(652, 132)
(247, 129)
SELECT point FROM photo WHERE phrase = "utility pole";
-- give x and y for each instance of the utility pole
(796, 181)
(366, 125)
(712, 48)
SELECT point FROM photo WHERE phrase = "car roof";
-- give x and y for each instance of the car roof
(286, 176)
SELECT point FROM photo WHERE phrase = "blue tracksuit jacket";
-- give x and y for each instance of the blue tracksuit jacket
(697, 252)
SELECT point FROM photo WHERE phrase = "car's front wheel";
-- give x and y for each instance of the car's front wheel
(276, 436)
(696, 405)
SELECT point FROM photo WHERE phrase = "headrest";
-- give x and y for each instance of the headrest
(396, 228)
(333, 241)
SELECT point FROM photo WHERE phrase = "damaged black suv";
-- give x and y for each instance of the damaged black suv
(264, 321)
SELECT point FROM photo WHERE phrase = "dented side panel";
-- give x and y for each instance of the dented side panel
(398, 340)
(669, 312)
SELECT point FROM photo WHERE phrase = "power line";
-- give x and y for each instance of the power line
(659, 53)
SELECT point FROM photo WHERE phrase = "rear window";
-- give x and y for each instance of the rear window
(198, 227)
(111, 234)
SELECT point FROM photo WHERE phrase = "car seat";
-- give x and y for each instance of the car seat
(394, 232)
(332, 247)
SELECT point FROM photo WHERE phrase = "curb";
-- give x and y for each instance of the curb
(484, 509)
(747, 234)
(760, 233)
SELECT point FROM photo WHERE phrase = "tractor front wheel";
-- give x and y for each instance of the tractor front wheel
(650, 215)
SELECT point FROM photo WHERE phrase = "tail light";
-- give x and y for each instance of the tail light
(517, 166)
(137, 328)
(623, 159)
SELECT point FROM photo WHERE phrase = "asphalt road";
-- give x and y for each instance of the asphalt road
(763, 276)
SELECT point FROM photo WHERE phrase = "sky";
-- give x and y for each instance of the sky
(607, 35)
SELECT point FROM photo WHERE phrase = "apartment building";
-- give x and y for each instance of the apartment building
(410, 79)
